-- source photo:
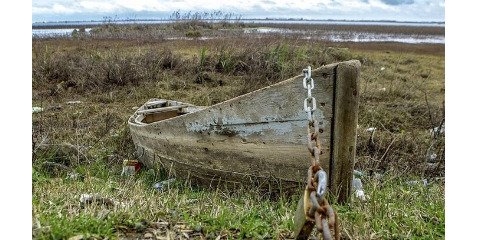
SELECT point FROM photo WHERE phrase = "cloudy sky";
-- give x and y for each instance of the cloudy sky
(398, 10)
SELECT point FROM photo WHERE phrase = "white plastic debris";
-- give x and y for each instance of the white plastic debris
(358, 189)
(371, 129)
(93, 198)
(159, 185)
(357, 184)
(432, 157)
(37, 109)
(422, 181)
(360, 194)
(357, 173)
(85, 197)
(437, 130)
(130, 167)
(382, 68)
(73, 102)
(73, 176)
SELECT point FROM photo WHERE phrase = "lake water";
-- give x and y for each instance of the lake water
(55, 32)
(65, 29)
(348, 36)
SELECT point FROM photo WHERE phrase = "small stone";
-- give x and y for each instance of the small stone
(77, 237)
(150, 230)
(148, 235)
(73, 176)
(198, 228)
(140, 226)
(160, 185)
(424, 75)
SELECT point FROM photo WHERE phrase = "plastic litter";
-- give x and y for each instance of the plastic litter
(422, 181)
(73, 102)
(358, 189)
(357, 173)
(160, 185)
(130, 167)
(37, 109)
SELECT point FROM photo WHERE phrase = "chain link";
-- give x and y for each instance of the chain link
(309, 104)
(320, 211)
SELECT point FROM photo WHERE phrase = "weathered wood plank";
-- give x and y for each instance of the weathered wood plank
(163, 109)
(344, 128)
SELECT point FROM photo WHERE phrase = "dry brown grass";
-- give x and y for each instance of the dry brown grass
(406, 97)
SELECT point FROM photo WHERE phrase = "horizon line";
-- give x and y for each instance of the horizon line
(241, 19)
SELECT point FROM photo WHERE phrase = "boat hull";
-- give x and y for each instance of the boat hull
(259, 137)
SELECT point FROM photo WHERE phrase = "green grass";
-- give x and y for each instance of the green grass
(394, 210)
(241, 214)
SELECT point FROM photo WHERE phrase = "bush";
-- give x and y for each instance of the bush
(193, 34)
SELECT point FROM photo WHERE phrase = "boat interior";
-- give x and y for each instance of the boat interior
(160, 109)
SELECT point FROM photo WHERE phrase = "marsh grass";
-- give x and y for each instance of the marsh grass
(241, 214)
(395, 209)
(401, 96)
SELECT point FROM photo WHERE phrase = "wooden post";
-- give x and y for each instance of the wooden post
(345, 120)
(343, 142)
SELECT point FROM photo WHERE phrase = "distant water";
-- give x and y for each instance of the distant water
(55, 32)
(330, 22)
(65, 29)
(346, 36)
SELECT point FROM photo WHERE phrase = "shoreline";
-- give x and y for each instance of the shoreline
(204, 31)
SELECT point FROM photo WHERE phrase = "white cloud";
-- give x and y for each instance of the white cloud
(354, 5)
(146, 5)
(380, 5)
(59, 8)
(99, 6)
(341, 9)
(40, 10)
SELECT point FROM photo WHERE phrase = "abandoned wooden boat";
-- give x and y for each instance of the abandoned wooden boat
(257, 137)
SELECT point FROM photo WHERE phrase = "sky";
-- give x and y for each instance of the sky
(395, 10)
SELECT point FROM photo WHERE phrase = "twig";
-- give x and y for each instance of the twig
(429, 110)
(387, 149)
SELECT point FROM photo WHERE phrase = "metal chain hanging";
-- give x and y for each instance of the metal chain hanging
(319, 210)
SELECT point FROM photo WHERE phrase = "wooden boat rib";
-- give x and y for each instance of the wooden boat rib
(257, 137)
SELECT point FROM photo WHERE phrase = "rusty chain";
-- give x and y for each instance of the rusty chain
(318, 209)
